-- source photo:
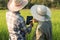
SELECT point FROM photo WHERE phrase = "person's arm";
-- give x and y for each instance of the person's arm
(22, 25)
(28, 28)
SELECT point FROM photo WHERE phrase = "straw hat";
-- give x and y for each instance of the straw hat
(40, 12)
(16, 5)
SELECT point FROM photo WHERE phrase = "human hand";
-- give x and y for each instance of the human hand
(34, 20)
(31, 23)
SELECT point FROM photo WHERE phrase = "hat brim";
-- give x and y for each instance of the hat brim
(36, 15)
(12, 7)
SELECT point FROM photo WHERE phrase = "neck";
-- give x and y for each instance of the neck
(15, 12)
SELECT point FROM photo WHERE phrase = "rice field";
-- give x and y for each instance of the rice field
(55, 18)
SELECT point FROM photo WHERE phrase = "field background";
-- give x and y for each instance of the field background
(55, 24)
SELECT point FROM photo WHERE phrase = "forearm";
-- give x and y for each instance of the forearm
(29, 28)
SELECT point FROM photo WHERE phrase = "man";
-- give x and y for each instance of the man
(41, 15)
(15, 22)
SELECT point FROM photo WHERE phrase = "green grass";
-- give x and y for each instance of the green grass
(26, 12)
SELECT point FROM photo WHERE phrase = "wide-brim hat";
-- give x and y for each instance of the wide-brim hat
(37, 16)
(12, 7)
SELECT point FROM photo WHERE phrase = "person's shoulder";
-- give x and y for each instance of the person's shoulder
(48, 12)
(8, 12)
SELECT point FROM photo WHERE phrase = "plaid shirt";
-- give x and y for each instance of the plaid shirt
(16, 25)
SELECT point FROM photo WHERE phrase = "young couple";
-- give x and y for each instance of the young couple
(16, 23)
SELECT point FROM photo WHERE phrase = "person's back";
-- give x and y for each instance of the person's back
(44, 30)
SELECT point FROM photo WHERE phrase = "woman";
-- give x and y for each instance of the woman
(15, 22)
(42, 15)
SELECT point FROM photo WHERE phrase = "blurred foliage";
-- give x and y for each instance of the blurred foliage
(49, 3)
